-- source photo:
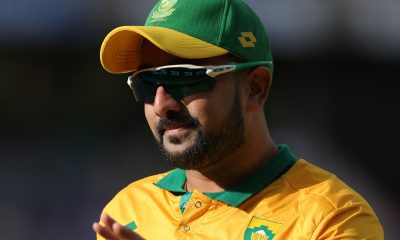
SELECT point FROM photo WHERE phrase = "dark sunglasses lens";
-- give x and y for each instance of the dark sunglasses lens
(175, 75)
(178, 82)
(178, 92)
(143, 91)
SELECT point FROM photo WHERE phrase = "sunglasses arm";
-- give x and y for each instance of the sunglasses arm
(214, 71)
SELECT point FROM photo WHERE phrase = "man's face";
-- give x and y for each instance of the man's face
(201, 129)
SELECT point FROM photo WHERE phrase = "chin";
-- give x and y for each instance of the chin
(188, 158)
(176, 145)
(177, 149)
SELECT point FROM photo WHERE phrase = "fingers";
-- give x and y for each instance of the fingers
(107, 220)
(113, 230)
(105, 232)
(125, 233)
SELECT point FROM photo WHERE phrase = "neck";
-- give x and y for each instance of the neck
(231, 170)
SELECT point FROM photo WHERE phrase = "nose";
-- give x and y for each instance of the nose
(163, 102)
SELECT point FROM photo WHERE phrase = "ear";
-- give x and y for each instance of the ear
(258, 83)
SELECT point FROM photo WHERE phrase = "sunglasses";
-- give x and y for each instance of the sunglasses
(181, 80)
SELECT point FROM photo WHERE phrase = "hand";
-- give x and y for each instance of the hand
(113, 230)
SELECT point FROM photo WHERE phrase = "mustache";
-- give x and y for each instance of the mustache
(176, 120)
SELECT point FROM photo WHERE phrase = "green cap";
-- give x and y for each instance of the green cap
(190, 29)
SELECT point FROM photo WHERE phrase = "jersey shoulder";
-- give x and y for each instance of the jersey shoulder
(334, 207)
(142, 190)
(141, 186)
(316, 183)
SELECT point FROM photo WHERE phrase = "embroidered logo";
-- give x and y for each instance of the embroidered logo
(261, 229)
(165, 9)
(247, 40)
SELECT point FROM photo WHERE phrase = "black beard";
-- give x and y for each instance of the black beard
(210, 147)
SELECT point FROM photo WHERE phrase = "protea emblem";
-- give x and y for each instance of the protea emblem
(261, 229)
(165, 9)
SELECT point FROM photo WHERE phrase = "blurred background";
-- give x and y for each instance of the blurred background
(72, 136)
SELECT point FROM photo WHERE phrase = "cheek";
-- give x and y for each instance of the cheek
(150, 117)
(211, 111)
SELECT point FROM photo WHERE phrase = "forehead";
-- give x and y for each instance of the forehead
(152, 56)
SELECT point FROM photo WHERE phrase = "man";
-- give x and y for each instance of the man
(203, 69)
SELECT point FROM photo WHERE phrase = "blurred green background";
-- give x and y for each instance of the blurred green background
(71, 134)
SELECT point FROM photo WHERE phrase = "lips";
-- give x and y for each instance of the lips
(174, 128)
(175, 125)
(175, 132)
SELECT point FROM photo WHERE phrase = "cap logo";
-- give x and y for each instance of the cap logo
(165, 9)
(247, 40)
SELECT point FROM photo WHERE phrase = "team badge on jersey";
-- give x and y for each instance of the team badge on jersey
(261, 229)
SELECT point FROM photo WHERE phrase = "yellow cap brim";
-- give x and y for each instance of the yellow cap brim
(120, 51)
